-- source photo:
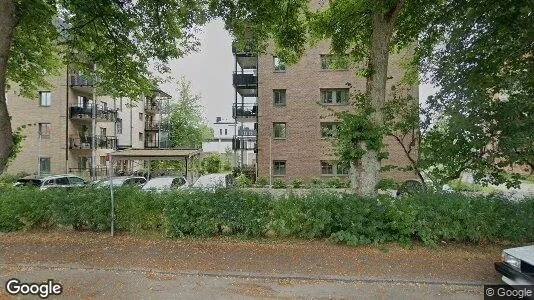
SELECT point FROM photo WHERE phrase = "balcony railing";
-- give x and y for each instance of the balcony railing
(102, 114)
(102, 142)
(81, 80)
(247, 132)
(243, 144)
(245, 80)
(244, 111)
(152, 126)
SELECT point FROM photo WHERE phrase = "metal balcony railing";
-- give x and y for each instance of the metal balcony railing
(243, 144)
(244, 110)
(102, 114)
(245, 80)
(152, 126)
(247, 132)
(102, 142)
(81, 80)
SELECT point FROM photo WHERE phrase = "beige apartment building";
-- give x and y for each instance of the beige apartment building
(57, 125)
(293, 137)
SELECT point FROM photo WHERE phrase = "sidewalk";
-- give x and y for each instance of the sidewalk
(293, 259)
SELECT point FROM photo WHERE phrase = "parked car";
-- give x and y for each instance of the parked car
(165, 183)
(217, 180)
(52, 181)
(517, 266)
(122, 180)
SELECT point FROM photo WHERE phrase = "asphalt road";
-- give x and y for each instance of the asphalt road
(135, 284)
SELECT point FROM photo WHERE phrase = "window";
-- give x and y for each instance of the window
(45, 98)
(279, 97)
(140, 116)
(331, 62)
(279, 130)
(333, 168)
(62, 181)
(225, 131)
(104, 106)
(140, 136)
(83, 102)
(102, 160)
(44, 165)
(103, 131)
(76, 181)
(83, 162)
(118, 127)
(329, 130)
(279, 65)
(334, 96)
(44, 130)
(279, 167)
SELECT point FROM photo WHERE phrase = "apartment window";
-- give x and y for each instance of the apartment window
(330, 62)
(44, 130)
(44, 165)
(279, 130)
(329, 130)
(279, 167)
(334, 96)
(279, 97)
(140, 116)
(118, 127)
(83, 102)
(102, 160)
(45, 98)
(103, 131)
(225, 131)
(140, 136)
(83, 162)
(220, 131)
(279, 65)
(333, 168)
(104, 106)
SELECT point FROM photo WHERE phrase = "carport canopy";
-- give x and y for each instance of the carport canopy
(157, 154)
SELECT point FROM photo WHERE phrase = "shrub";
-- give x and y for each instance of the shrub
(243, 181)
(387, 184)
(262, 182)
(334, 182)
(317, 182)
(297, 183)
(279, 184)
(410, 187)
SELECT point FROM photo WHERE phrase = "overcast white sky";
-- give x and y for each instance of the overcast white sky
(210, 72)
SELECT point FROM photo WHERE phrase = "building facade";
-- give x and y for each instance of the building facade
(292, 110)
(58, 127)
(224, 139)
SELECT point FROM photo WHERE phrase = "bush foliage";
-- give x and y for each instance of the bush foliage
(341, 218)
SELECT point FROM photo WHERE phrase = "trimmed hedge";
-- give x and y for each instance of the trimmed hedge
(342, 218)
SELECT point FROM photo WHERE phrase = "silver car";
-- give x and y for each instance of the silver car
(52, 181)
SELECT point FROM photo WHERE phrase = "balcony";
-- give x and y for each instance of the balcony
(151, 107)
(81, 83)
(86, 113)
(246, 84)
(247, 133)
(84, 143)
(245, 112)
(152, 126)
(243, 144)
(245, 57)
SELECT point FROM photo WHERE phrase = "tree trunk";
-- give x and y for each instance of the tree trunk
(8, 21)
(367, 169)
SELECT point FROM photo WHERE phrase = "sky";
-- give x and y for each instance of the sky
(210, 73)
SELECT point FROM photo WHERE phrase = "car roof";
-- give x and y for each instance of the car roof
(46, 177)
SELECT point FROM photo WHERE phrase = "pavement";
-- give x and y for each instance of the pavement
(97, 266)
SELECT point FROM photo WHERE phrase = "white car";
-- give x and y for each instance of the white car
(122, 180)
(165, 183)
(213, 181)
(52, 181)
(517, 266)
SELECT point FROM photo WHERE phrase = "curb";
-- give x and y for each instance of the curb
(251, 275)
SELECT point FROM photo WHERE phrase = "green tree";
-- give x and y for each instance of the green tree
(123, 38)
(482, 56)
(211, 163)
(187, 127)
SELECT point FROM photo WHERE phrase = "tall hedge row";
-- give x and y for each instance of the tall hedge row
(342, 218)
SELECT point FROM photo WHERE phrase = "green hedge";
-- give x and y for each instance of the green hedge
(342, 218)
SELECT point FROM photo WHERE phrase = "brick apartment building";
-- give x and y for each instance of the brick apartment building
(57, 125)
(292, 140)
